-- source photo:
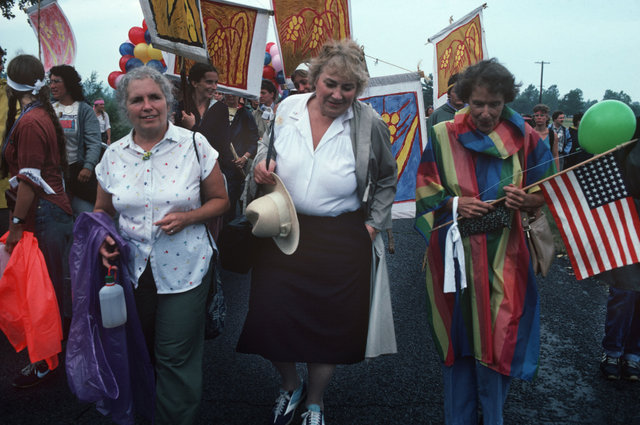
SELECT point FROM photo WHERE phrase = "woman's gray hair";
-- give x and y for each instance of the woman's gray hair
(346, 59)
(142, 73)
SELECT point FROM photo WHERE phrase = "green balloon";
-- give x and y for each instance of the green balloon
(605, 125)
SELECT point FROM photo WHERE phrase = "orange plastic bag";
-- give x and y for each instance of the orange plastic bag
(29, 314)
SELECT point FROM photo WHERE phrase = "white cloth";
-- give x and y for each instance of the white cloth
(322, 182)
(35, 88)
(381, 336)
(144, 191)
(35, 176)
(454, 249)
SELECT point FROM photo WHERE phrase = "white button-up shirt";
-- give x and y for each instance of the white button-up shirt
(145, 190)
(322, 182)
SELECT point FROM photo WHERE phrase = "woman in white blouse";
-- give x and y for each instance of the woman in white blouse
(153, 180)
(334, 156)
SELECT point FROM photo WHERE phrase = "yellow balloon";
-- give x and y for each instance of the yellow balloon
(141, 51)
(154, 53)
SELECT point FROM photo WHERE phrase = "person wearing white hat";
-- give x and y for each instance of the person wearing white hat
(311, 304)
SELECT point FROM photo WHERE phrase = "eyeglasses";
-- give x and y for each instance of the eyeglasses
(540, 115)
(55, 81)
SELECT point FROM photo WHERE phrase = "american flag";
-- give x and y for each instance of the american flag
(596, 216)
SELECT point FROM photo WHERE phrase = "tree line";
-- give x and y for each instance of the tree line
(571, 103)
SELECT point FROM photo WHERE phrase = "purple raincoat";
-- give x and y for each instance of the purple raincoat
(108, 366)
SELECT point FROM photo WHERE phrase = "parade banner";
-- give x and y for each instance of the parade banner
(176, 26)
(456, 47)
(302, 28)
(54, 34)
(236, 38)
(398, 100)
(596, 216)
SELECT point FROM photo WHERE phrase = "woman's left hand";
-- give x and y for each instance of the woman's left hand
(241, 162)
(373, 232)
(84, 175)
(15, 234)
(173, 222)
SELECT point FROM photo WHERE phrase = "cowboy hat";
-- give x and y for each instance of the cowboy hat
(274, 216)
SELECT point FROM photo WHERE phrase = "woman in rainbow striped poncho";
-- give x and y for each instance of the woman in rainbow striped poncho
(489, 331)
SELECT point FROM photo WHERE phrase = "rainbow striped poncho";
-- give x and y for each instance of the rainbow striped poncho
(496, 319)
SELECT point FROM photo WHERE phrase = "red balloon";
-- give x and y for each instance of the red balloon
(268, 72)
(136, 35)
(269, 44)
(144, 25)
(111, 79)
(123, 61)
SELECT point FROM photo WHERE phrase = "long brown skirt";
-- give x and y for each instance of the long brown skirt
(312, 306)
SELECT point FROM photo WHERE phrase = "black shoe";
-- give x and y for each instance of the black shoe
(32, 375)
(610, 367)
(630, 370)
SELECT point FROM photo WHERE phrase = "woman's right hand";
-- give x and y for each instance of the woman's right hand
(109, 252)
(262, 175)
(469, 207)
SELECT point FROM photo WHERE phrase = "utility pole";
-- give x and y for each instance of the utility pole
(541, 73)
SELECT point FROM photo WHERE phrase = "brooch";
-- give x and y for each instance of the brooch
(146, 155)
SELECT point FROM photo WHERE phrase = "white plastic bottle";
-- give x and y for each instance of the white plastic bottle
(112, 304)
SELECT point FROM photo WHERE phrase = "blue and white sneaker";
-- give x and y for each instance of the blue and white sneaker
(313, 415)
(286, 405)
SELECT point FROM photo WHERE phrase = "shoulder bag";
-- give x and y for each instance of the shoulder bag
(540, 241)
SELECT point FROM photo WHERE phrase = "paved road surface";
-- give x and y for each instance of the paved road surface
(401, 389)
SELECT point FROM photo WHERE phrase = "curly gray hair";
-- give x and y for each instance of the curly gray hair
(142, 73)
(343, 57)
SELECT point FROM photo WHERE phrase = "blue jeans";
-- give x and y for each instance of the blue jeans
(465, 383)
(622, 326)
(54, 232)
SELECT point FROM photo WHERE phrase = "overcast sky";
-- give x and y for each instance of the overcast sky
(590, 44)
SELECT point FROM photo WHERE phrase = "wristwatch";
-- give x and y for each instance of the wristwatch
(17, 220)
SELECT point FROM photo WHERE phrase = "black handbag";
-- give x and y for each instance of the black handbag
(493, 221)
(216, 304)
(236, 241)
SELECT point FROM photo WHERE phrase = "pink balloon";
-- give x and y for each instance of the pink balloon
(118, 78)
(276, 63)
(273, 51)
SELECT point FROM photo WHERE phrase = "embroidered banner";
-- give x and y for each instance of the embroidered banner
(236, 37)
(456, 47)
(176, 26)
(56, 36)
(302, 28)
(398, 100)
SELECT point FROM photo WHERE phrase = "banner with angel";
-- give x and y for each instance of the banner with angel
(456, 47)
(302, 28)
(398, 100)
(54, 34)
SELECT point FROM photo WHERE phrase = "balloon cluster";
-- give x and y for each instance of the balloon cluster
(273, 69)
(138, 51)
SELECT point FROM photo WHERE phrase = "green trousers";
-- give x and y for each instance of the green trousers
(173, 326)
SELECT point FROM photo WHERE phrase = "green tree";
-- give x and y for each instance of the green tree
(526, 100)
(7, 5)
(622, 97)
(427, 90)
(572, 102)
(95, 89)
(550, 97)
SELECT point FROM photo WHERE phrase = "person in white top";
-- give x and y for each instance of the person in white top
(103, 119)
(154, 181)
(334, 156)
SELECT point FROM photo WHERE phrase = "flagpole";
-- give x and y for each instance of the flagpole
(600, 155)
(39, 40)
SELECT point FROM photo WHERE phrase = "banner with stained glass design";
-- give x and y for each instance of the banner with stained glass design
(176, 26)
(456, 47)
(56, 37)
(302, 28)
(398, 100)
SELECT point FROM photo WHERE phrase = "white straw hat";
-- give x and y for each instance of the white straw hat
(274, 216)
